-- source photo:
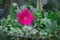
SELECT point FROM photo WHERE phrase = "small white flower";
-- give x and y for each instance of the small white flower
(14, 4)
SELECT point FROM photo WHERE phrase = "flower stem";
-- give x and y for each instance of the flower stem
(39, 4)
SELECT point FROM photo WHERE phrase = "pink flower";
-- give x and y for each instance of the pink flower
(25, 17)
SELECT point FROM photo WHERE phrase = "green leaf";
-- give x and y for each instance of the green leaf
(35, 15)
(1, 1)
(42, 14)
(52, 16)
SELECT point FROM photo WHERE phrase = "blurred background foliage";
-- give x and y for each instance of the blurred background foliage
(51, 6)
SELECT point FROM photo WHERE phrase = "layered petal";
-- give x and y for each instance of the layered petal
(25, 17)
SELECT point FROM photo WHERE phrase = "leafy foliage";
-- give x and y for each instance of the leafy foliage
(43, 27)
(1, 1)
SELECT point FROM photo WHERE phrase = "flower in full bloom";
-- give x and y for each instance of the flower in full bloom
(25, 17)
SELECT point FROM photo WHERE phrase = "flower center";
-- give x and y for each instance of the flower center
(25, 18)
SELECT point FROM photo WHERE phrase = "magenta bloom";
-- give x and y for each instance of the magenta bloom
(25, 17)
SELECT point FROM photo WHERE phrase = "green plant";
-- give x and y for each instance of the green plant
(43, 27)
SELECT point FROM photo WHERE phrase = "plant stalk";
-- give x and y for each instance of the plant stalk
(39, 4)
